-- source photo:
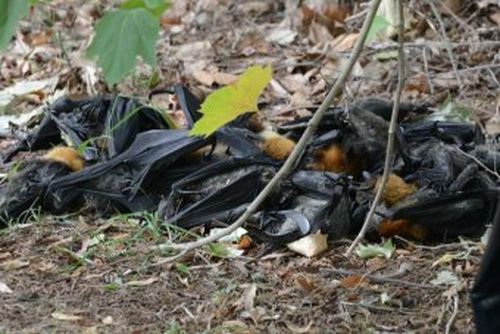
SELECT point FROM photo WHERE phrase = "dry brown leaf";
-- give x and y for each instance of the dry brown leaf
(454, 6)
(310, 245)
(41, 38)
(247, 299)
(305, 283)
(167, 21)
(209, 78)
(417, 83)
(345, 42)
(66, 317)
(255, 7)
(297, 329)
(351, 282)
(492, 126)
(495, 17)
(145, 282)
(14, 264)
(319, 34)
(43, 266)
(5, 255)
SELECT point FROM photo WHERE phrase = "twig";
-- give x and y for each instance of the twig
(299, 148)
(446, 41)
(477, 161)
(392, 129)
(426, 68)
(454, 314)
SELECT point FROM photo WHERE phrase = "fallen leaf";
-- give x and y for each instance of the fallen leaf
(107, 320)
(455, 6)
(26, 87)
(227, 103)
(247, 299)
(209, 78)
(297, 329)
(5, 255)
(495, 17)
(66, 317)
(351, 282)
(368, 251)
(232, 237)
(145, 282)
(4, 288)
(305, 283)
(90, 330)
(282, 36)
(14, 264)
(319, 34)
(445, 277)
(310, 245)
(385, 298)
(345, 42)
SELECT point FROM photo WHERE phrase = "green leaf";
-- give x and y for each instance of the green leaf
(218, 249)
(229, 102)
(11, 11)
(182, 268)
(369, 251)
(156, 7)
(120, 37)
(378, 25)
(452, 111)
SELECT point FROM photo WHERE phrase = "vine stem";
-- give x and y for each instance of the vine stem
(392, 130)
(298, 151)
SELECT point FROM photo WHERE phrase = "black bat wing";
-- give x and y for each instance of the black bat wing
(485, 293)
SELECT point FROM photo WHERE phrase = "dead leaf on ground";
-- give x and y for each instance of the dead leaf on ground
(14, 264)
(310, 245)
(4, 288)
(351, 282)
(209, 78)
(305, 283)
(454, 6)
(281, 35)
(297, 329)
(345, 42)
(247, 299)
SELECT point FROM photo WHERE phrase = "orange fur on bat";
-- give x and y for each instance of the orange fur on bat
(329, 159)
(396, 189)
(402, 227)
(277, 146)
(67, 156)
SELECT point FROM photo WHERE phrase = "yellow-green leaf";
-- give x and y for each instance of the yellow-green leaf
(227, 103)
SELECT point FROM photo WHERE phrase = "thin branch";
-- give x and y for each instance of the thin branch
(392, 129)
(477, 161)
(454, 314)
(299, 149)
(446, 40)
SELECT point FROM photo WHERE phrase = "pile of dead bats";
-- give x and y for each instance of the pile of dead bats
(137, 161)
(129, 158)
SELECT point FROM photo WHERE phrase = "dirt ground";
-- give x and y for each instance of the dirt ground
(79, 273)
